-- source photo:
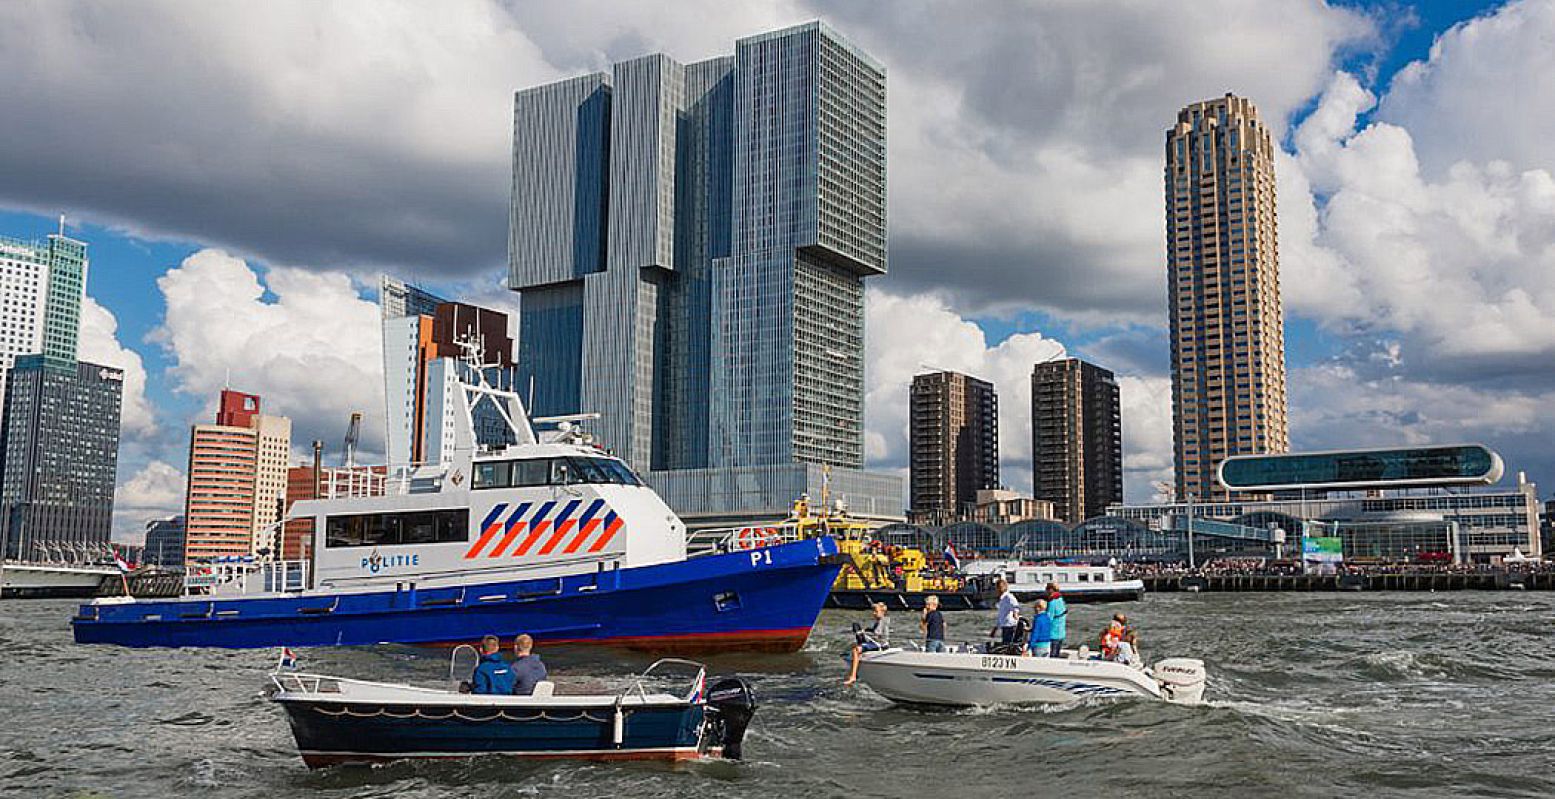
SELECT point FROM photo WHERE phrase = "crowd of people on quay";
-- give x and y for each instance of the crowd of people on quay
(1273, 567)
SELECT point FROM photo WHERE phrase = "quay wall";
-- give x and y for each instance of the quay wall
(1424, 581)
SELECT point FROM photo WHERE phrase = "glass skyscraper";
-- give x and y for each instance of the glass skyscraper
(690, 244)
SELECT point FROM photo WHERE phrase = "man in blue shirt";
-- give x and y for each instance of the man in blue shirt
(492, 674)
(527, 669)
(1058, 612)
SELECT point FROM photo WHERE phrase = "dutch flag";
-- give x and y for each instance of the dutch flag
(289, 659)
(950, 555)
(124, 565)
(696, 692)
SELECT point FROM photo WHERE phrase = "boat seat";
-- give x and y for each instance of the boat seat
(544, 688)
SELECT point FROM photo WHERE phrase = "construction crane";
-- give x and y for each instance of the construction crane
(353, 434)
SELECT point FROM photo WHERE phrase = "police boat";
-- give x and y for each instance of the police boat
(658, 716)
(967, 677)
(505, 533)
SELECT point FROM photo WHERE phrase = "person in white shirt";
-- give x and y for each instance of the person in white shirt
(1009, 614)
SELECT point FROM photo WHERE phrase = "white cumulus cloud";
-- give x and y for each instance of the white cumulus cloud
(100, 344)
(304, 341)
(154, 492)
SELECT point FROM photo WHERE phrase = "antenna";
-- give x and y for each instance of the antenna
(61, 224)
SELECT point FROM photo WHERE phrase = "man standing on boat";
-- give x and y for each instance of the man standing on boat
(1058, 611)
(1009, 613)
(492, 675)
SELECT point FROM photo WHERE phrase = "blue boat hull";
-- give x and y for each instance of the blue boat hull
(767, 599)
(339, 733)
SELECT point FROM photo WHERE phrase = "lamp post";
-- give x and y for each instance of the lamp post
(1190, 531)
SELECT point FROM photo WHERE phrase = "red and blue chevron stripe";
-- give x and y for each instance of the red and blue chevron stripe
(546, 518)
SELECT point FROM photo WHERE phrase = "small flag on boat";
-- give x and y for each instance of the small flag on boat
(124, 565)
(289, 658)
(696, 693)
(950, 555)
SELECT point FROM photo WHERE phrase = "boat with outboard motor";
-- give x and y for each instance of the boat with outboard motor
(965, 677)
(509, 534)
(339, 721)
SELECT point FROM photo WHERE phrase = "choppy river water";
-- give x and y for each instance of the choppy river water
(1320, 695)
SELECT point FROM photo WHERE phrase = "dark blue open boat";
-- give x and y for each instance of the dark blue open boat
(343, 721)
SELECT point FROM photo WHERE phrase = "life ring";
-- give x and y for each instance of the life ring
(757, 537)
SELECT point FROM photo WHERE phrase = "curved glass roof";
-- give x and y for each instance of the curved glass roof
(1465, 464)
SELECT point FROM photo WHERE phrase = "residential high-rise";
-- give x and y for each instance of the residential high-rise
(1076, 438)
(61, 442)
(237, 480)
(41, 284)
(419, 330)
(954, 432)
(1223, 286)
(689, 242)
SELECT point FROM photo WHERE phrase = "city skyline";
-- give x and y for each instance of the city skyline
(1375, 355)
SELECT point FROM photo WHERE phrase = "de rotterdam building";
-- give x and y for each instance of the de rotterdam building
(690, 244)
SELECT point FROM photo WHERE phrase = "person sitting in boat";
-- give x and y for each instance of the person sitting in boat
(1009, 613)
(933, 625)
(527, 666)
(1058, 615)
(1110, 638)
(873, 638)
(492, 674)
(1128, 649)
(1041, 630)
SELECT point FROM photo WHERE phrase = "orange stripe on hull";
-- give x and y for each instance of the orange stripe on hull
(583, 535)
(507, 539)
(534, 535)
(561, 532)
(610, 532)
(480, 543)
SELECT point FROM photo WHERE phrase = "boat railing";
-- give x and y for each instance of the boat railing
(240, 576)
(745, 538)
(639, 686)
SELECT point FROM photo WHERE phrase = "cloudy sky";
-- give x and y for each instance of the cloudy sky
(243, 171)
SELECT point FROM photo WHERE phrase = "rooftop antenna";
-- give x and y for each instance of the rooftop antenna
(61, 224)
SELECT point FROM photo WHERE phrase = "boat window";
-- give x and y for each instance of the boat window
(392, 529)
(492, 475)
(1083, 577)
(553, 471)
(531, 472)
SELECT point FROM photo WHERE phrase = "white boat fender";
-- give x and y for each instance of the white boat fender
(1181, 680)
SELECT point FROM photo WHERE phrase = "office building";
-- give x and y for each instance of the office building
(1076, 438)
(61, 451)
(953, 430)
(689, 242)
(297, 534)
(237, 480)
(41, 285)
(164, 543)
(423, 336)
(1223, 288)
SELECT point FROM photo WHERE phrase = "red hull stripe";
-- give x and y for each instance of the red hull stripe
(786, 640)
(319, 759)
(613, 525)
(583, 535)
(515, 525)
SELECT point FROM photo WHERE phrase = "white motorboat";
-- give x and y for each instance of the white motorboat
(969, 678)
(1078, 583)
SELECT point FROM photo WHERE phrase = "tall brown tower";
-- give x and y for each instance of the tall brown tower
(1223, 284)
(954, 433)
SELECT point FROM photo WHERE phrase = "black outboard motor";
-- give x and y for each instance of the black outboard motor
(730, 705)
(1017, 644)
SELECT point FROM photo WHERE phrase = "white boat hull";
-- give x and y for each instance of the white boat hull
(47, 580)
(968, 680)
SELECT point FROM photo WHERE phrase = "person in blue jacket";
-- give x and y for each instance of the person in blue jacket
(1058, 613)
(492, 675)
(1041, 630)
(528, 669)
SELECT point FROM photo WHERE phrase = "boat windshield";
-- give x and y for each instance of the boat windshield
(572, 470)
